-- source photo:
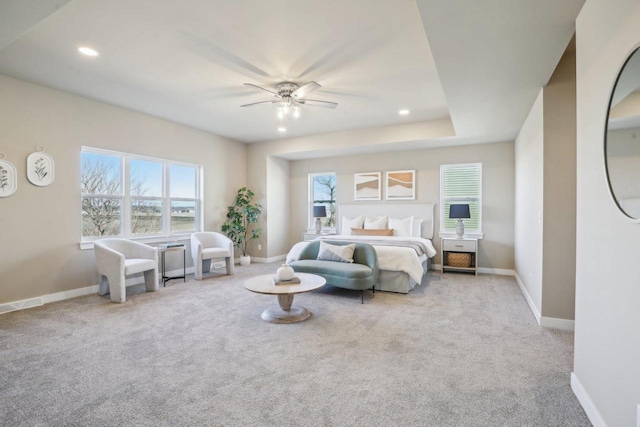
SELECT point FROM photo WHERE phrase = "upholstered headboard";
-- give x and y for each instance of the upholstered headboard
(395, 210)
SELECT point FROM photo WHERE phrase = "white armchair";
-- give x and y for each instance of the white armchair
(118, 258)
(208, 245)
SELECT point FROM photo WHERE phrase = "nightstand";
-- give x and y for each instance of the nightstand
(459, 254)
(307, 237)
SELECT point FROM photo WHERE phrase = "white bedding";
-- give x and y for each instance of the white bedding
(391, 258)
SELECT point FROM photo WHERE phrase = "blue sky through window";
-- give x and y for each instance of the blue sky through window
(148, 176)
(183, 181)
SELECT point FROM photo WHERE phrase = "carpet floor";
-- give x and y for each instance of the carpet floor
(459, 350)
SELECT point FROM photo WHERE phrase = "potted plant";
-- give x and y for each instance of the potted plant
(240, 215)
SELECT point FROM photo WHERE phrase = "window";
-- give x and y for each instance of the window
(132, 196)
(102, 194)
(461, 183)
(322, 192)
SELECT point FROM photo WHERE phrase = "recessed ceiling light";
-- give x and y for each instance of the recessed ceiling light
(88, 51)
(403, 112)
(281, 129)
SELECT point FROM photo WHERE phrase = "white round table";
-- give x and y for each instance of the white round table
(286, 313)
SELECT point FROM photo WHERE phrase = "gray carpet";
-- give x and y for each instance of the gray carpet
(458, 351)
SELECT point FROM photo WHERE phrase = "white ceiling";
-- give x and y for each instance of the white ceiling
(187, 61)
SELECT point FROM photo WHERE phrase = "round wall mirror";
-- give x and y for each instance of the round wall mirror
(622, 138)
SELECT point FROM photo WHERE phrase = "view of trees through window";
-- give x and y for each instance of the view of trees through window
(323, 188)
(125, 195)
(101, 178)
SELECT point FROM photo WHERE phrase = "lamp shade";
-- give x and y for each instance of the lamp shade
(459, 211)
(319, 211)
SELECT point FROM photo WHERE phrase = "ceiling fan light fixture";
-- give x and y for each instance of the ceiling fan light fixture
(288, 107)
(291, 97)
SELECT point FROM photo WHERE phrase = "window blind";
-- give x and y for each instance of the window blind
(461, 184)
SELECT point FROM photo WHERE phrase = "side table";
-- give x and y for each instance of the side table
(466, 245)
(172, 247)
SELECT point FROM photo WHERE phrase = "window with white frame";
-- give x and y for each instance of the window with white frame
(461, 184)
(322, 192)
(132, 196)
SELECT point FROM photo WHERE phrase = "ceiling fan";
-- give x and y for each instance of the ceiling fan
(291, 97)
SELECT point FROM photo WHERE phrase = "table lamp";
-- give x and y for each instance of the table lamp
(459, 212)
(318, 213)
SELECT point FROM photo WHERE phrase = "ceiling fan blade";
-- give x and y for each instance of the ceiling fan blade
(316, 103)
(261, 88)
(261, 102)
(302, 91)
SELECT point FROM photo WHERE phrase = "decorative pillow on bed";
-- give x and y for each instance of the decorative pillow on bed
(376, 223)
(329, 252)
(365, 232)
(349, 223)
(417, 227)
(401, 227)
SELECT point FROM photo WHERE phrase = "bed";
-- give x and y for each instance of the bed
(403, 260)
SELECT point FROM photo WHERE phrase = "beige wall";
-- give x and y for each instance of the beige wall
(278, 201)
(265, 173)
(496, 249)
(40, 226)
(559, 216)
(545, 196)
(529, 201)
(607, 333)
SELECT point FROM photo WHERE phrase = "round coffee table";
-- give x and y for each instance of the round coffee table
(286, 313)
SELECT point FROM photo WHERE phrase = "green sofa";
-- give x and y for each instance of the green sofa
(359, 275)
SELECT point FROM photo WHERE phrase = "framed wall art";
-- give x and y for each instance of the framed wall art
(401, 185)
(8, 177)
(40, 168)
(367, 186)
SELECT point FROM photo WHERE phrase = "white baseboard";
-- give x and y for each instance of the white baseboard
(497, 271)
(21, 305)
(586, 402)
(546, 322)
(555, 323)
(532, 306)
(483, 270)
(59, 296)
(73, 293)
(46, 299)
(268, 260)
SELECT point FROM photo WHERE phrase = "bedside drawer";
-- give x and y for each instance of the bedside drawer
(458, 245)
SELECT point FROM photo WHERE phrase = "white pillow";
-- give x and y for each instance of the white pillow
(417, 227)
(401, 227)
(349, 223)
(377, 223)
(329, 252)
